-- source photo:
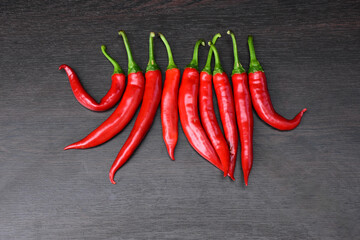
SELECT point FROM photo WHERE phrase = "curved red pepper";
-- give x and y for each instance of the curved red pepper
(125, 110)
(207, 113)
(188, 111)
(244, 113)
(111, 97)
(169, 107)
(261, 99)
(224, 95)
(151, 100)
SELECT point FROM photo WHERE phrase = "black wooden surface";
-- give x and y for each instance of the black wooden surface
(304, 183)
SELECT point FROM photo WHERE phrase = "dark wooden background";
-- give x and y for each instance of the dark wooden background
(304, 183)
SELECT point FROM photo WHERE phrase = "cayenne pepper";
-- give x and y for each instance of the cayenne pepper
(261, 97)
(169, 107)
(151, 100)
(244, 113)
(207, 113)
(111, 97)
(225, 99)
(188, 111)
(125, 110)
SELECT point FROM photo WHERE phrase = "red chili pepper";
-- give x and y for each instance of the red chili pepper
(244, 113)
(125, 110)
(224, 95)
(188, 110)
(169, 108)
(111, 97)
(261, 99)
(152, 97)
(207, 113)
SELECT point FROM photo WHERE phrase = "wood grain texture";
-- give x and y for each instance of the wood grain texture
(304, 183)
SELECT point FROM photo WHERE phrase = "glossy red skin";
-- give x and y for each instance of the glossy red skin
(224, 95)
(209, 121)
(144, 120)
(119, 118)
(263, 106)
(108, 101)
(169, 110)
(189, 118)
(245, 121)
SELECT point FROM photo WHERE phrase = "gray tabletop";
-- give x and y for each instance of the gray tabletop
(304, 183)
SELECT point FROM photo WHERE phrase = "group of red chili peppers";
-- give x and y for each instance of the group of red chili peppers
(203, 133)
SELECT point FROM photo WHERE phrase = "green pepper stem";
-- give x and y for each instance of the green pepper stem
(238, 68)
(132, 66)
(254, 63)
(117, 68)
(152, 66)
(195, 60)
(207, 67)
(218, 68)
(171, 64)
(151, 47)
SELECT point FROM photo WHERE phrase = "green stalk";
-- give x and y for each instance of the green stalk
(254, 63)
(207, 67)
(117, 68)
(132, 66)
(218, 68)
(168, 49)
(195, 60)
(238, 68)
(152, 66)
